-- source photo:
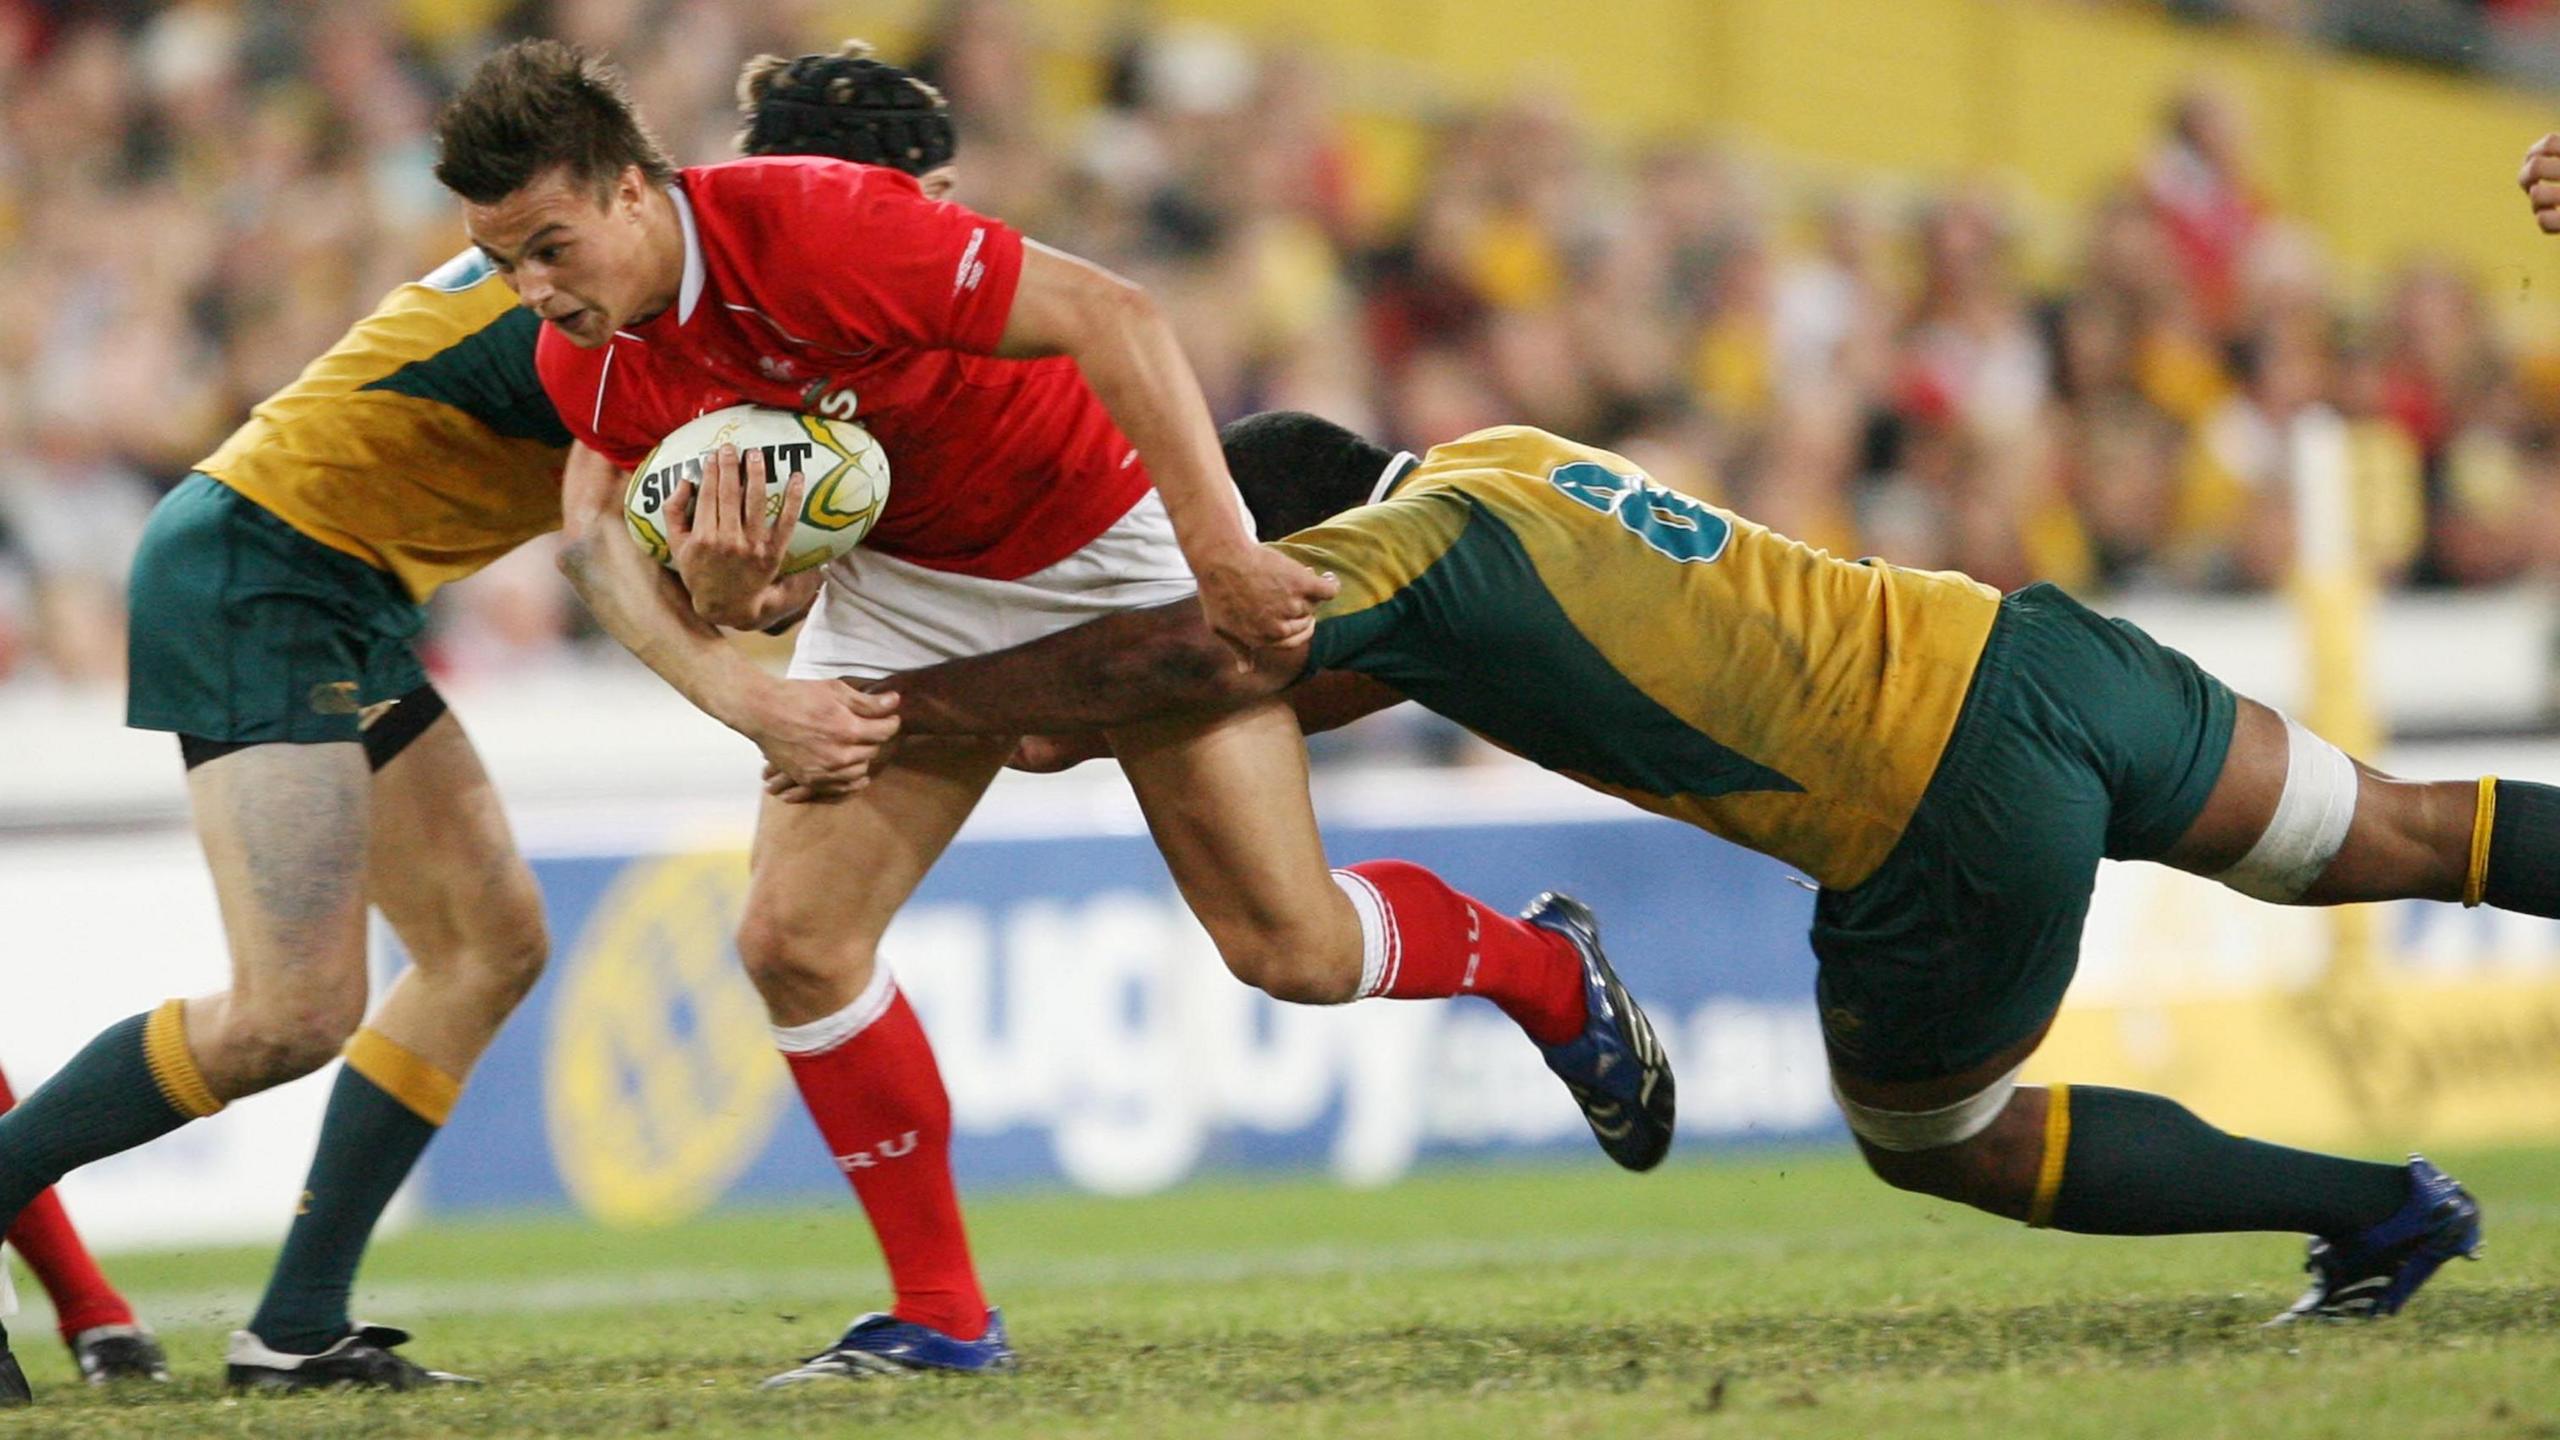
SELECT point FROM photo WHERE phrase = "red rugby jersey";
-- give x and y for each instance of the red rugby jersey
(838, 289)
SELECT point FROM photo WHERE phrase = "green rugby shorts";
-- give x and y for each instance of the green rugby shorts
(2081, 738)
(245, 630)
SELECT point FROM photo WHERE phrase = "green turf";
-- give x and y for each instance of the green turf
(1783, 1298)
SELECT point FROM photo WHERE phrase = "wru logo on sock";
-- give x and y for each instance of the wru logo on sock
(886, 1150)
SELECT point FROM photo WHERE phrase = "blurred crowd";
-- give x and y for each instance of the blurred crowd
(196, 199)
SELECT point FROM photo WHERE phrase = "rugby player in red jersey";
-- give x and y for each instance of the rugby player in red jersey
(1016, 390)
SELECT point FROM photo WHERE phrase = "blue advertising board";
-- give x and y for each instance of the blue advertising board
(1089, 1036)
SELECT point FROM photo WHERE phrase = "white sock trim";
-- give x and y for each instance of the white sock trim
(1377, 933)
(827, 1032)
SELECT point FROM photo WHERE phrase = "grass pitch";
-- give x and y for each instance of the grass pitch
(1781, 1297)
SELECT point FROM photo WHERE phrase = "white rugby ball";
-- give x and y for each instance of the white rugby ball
(848, 477)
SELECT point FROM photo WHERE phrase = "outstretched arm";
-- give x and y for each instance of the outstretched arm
(1132, 666)
(1327, 700)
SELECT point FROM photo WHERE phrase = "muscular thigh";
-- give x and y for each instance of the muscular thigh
(284, 832)
(441, 862)
(1226, 800)
(827, 878)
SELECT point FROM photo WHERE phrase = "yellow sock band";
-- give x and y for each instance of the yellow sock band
(2057, 1141)
(427, 1091)
(2483, 816)
(173, 1065)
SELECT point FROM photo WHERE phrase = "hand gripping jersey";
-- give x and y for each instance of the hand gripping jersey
(838, 289)
(1554, 599)
(422, 443)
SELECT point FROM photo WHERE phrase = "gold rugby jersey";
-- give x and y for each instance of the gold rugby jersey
(422, 443)
(1556, 600)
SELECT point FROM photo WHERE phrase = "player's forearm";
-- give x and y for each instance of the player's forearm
(640, 606)
(636, 601)
(1135, 366)
(1133, 666)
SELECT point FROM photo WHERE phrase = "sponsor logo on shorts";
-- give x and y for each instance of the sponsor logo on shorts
(335, 697)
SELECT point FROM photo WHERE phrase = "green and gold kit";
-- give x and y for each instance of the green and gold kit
(1556, 600)
(277, 593)
(422, 443)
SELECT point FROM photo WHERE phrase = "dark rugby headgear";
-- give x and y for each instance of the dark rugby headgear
(847, 105)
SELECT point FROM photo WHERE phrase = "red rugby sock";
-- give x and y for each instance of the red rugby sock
(868, 1076)
(1427, 941)
(82, 1298)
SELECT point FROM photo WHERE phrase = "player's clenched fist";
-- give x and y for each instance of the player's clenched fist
(2540, 179)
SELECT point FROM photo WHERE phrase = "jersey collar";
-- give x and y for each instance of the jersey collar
(689, 291)
(1405, 463)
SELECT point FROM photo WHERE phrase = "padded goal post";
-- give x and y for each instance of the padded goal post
(2333, 595)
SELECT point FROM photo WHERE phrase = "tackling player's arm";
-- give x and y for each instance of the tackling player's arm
(823, 734)
(1127, 353)
(1326, 700)
(1136, 665)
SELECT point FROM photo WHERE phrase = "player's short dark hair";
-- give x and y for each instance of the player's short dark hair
(538, 106)
(1297, 469)
(844, 104)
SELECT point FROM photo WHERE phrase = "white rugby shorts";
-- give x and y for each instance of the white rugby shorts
(879, 615)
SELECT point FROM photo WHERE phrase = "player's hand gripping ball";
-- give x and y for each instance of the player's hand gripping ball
(848, 478)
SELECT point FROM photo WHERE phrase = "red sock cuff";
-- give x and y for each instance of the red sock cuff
(1426, 940)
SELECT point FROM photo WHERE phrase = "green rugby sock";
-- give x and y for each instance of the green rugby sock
(2521, 869)
(2136, 1164)
(134, 1083)
(386, 1106)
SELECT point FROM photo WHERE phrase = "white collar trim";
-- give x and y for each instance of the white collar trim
(1394, 472)
(689, 292)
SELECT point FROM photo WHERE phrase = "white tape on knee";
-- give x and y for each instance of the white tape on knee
(1907, 1130)
(2310, 823)
(8, 1292)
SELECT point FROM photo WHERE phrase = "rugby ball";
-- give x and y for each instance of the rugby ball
(848, 477)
